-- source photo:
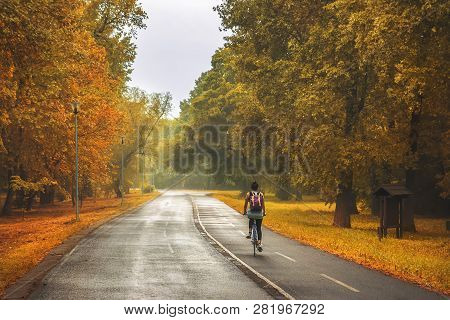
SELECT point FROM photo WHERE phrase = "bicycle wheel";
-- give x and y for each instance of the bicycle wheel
(254, 238)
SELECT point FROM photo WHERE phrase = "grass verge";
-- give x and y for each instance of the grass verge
(422, 258)
(25, 241)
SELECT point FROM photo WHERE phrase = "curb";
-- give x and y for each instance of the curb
(25, 285)
(271, 288)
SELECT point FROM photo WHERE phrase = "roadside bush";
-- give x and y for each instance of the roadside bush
(149, 188)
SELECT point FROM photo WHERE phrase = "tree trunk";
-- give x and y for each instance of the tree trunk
(342, 211)
(410, 203)
(346, 198)
(20, 199)
(410, 174)
(374, 184)
(30, 201)
(298, 195)
(73, 198)
(8, 202)
(345, 201)
(353, 208)
(47, 196)
(117, 189)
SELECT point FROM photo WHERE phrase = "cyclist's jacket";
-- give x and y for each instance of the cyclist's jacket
(256, 200)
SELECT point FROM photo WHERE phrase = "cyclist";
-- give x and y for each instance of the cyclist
(256, 200)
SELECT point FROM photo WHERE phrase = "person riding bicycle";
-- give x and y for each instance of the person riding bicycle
(257, 208)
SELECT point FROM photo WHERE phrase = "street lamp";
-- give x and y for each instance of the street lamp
(121, 175)
(76, 110)
(143, 172)
(138, 153)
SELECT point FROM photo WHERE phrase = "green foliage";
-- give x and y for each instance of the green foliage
(149, 189)
(365, 83)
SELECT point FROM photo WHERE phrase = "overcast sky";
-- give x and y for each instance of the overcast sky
(176, 47)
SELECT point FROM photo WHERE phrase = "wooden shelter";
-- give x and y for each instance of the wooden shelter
(391, 197)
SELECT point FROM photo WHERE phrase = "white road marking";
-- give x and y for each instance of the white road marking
(167, 223)
(165, 234)
(242, 232)
(72, 251)
(170, 248)
(339, 282)
(289, 258)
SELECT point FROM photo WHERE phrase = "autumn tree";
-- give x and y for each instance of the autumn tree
(354, 74)
(142, 116)
(50, 57)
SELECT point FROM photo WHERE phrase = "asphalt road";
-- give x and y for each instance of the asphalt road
(155, 253)
(158, 253)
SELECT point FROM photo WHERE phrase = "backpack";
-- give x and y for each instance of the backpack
(256, 199)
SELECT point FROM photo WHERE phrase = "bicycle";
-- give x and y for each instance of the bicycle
(254, 233)
(254, 237)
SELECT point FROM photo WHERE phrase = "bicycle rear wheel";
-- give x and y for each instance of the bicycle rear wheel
(254, 238)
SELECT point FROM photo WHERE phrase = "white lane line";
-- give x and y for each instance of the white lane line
(170, 248)
(165, 234)
(259, 275)
(339, 282)
(167, 223)
(242, 233)
(232, 225)
(282, 255)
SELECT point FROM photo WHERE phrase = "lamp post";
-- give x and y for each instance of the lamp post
(152, 169)
(76, 110)
(121, 176)
(143, 172)
(138, 153)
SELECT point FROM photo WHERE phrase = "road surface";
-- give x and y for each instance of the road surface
(159, 253)
(155, 253)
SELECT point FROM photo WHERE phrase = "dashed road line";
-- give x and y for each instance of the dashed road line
(339, 282)
(284, 256)
(170, 248)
